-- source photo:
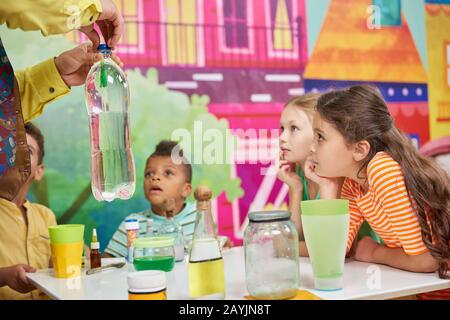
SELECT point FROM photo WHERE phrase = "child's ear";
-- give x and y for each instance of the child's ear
(361, 150)
(39, 174)
(187, 189)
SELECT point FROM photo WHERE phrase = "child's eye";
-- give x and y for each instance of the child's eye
(148, 174)
(294, 128)
(320, 137)
(169, 173)
(281, 129)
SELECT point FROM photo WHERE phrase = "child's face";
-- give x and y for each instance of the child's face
(37, 170)
(165, 180)
(329, 152)
(296, 134)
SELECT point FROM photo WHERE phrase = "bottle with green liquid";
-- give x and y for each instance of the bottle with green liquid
(206, 267)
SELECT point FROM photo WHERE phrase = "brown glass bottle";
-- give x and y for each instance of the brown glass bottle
(95, 258)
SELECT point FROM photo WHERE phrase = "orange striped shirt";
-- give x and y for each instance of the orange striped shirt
(387, 207)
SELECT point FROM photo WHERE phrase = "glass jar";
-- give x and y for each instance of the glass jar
(147, 285)
(154, 253)
(271, 255)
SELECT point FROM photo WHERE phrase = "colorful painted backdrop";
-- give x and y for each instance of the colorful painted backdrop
(230, 65)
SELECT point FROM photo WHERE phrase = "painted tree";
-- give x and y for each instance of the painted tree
(155, 113)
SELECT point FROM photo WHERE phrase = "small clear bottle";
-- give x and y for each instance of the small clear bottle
(132, 228)
(171, 228)
(149, 224)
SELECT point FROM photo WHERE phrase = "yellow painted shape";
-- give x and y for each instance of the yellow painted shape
(437, 19)
(128, 9)
(282, 33)
(181, 31)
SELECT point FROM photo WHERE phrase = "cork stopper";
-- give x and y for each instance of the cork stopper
(203, 195)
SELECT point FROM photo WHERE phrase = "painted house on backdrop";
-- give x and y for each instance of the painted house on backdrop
(437, 17)
(248, 56)
(357, 51)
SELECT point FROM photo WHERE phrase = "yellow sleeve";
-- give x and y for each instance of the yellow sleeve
(49, 16)
(51, 218)
(39, 85)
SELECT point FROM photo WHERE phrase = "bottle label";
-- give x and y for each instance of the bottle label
(206, 278)
(159, 295)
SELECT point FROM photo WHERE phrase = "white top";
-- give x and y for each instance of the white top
(361, 281)
(146, 281)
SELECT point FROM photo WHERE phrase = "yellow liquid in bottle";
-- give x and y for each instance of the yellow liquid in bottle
(207, 279)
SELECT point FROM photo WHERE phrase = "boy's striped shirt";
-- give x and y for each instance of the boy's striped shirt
(117, 246)
(387, 207)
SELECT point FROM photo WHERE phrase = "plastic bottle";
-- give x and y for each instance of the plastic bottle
(107, 101)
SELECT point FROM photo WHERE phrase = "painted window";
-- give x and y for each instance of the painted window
(281, 24)
(130, 10)
(181, 31)
(235, 23)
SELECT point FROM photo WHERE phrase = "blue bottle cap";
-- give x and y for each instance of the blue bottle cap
(103, 47)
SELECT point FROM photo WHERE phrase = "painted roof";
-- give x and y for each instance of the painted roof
(347, 49)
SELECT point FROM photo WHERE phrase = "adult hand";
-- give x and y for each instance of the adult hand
(111, 24)
(15, 277)
(74, 65)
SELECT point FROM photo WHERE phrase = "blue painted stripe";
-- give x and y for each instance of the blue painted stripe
(392, 91)
(438, 1)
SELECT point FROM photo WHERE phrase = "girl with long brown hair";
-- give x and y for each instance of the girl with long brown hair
(404, 196)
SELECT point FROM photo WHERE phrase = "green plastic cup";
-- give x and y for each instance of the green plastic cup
(66, 233)
(325, 226)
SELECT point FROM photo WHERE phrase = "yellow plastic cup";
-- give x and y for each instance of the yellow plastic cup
(66, 242)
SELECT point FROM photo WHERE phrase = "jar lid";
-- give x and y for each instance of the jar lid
(153, 242)
(146, 280)
(268, 216)
(326, 207)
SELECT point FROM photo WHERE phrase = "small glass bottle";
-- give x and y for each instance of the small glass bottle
(171, 228)
(132, 228)
(149, 227)
(206, 267)
(95, 258)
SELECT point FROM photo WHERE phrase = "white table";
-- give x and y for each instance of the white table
(358, 281)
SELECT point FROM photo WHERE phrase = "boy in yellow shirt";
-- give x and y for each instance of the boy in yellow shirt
(24, 238)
